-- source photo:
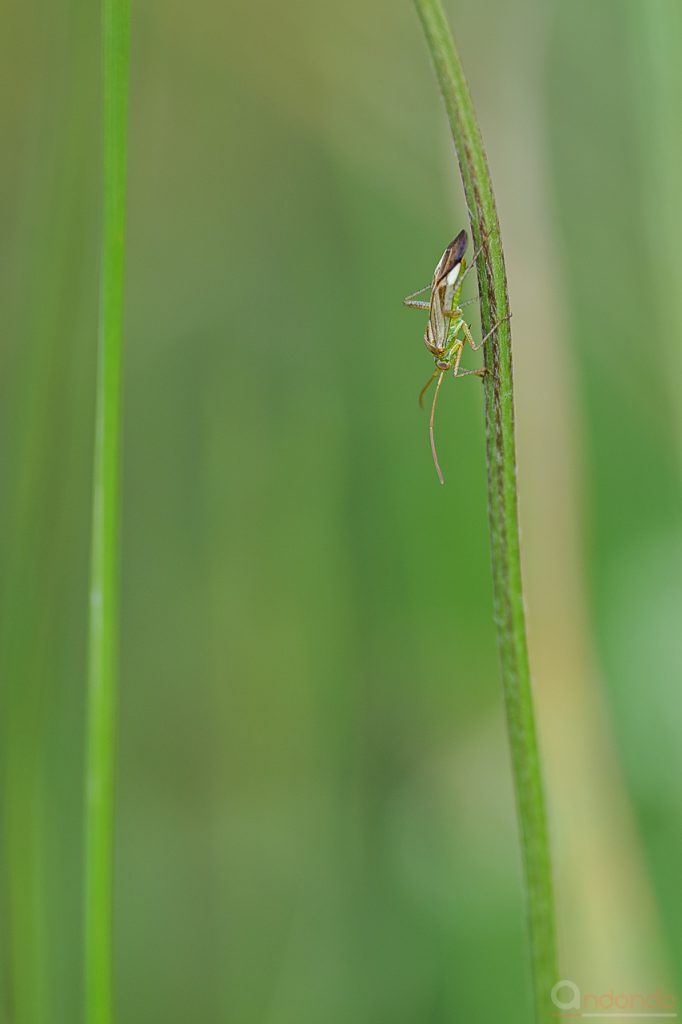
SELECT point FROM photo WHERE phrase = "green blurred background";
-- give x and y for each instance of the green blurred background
(315, 816)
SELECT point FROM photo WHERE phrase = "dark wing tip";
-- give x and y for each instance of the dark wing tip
(452, 255)
(458, 246)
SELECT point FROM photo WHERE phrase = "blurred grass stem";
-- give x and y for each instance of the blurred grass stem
(502, 506)
(103, 628)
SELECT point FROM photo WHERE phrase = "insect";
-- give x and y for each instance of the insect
(447, 332)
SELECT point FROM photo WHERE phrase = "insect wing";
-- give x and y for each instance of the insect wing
(450, 258)
(436, 331)
(442, 290)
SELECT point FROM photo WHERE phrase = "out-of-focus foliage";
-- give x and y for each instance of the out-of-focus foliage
(315, 815)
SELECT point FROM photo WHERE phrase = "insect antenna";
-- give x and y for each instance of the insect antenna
(431, 435)
(426, 388)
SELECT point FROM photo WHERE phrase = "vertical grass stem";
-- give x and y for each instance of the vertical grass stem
(103, 621)
(502, 506)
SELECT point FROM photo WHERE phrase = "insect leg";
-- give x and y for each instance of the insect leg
(453, 314)
(472, 373)
(458, 357)
(492, 330)
(426, 288)
(475, 257)
(469, 336)
(416, 304)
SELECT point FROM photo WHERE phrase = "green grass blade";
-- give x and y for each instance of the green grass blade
(502, 503)
(103, 634)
